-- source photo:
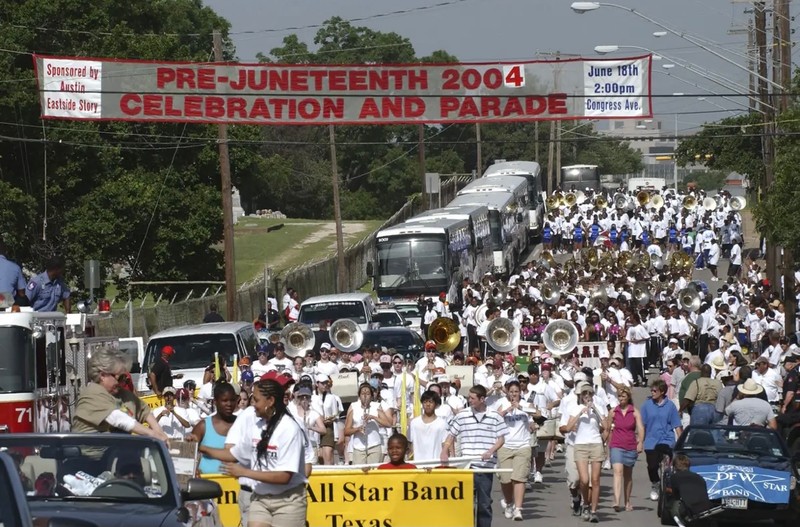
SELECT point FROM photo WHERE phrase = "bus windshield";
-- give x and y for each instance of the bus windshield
(17, 363)
(411, 261)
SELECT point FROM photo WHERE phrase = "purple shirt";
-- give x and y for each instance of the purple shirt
(624, 434)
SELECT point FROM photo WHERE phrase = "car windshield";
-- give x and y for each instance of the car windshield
(313, 314)
(90, 468)
(409, 311)
(747, 442)
(401, 341)
(388, 319)
(194, 351)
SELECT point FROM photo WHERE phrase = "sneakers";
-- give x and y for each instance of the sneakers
(509, 511)
(576, 507)
(654, 493)
(503, 503)
(606, 465)
(537, 478)
(517, 515)
(559, 448)
(586, 514)
(593, 518)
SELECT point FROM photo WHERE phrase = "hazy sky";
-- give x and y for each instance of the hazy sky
(477, 30)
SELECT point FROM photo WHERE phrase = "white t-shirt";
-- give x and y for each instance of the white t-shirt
(259, 369)
(170, 424)
(427, 438)
(736, 254)
(588, 432)
(518, 422)
(282, 364)
(285, 452)
(637, 350)
(331, 369)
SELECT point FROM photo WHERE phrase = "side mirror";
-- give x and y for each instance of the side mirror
(370, 269)
(201, 489)
(407, 323)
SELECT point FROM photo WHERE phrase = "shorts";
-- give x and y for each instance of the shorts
(518, 460)
(592, 453)
(624, 457)
(327, 438)
(282, 510)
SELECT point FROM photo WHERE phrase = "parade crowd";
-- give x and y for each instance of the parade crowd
(709, 353)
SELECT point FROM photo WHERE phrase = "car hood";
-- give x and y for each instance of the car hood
(106, 514)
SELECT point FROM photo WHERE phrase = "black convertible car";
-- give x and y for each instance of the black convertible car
(109, 480)
(747, 470)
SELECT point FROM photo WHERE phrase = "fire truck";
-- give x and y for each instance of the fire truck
(43, 366)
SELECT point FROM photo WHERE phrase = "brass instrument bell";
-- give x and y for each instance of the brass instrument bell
(444, 331)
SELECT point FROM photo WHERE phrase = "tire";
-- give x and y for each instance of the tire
(664, 512)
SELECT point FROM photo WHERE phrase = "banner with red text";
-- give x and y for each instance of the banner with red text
(120, 90)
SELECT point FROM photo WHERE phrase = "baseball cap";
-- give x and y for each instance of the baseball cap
(168, 350)
(604, 354)
(168, 389)
(580, 377)
(325, 346)
(762, 359)
(385, 359)
(303, 390)
(323, 378)
(247, 376)
(673, 341)
(686, 355)
(430, 345)
(281, 379)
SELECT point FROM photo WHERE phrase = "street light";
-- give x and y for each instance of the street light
(707, 90)
(583, 7)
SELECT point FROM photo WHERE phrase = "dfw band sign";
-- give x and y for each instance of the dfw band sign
(120, 90)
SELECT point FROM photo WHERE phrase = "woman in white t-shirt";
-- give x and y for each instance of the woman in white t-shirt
(277, 464)
(311, 420)
(516, 450)
(589, 422)
(363, 422)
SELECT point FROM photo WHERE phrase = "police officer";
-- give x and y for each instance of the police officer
(46, 290)
(790, 403)
(11, 279)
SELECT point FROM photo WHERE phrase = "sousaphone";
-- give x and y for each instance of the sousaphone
(656, 201)
(480, 314)
(298, 339)
(560, 337)
(551, 292)
(689, 299)
(345, 335)
(502, 335)
(738, 203)
(641, 293)
(444, 331)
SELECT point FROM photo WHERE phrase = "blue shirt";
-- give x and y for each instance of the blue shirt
(46, 294)
(660, 422)
(577, 234)
(11, 279)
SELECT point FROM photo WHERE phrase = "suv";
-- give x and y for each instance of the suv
(358, 307)
(390, 318)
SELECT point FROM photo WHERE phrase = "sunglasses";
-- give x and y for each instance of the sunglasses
(397, 362)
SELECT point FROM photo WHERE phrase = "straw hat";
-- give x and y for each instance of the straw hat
(718, 363)
(750, 387)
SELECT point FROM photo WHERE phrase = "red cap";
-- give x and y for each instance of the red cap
(442, 295)
(168, 350)
(430, 345)
(281, 379)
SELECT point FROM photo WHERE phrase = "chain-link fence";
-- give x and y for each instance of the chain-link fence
(310, 279)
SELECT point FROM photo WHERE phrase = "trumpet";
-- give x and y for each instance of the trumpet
(560, 337)
(299, 339)
(444, 331)
(502, 335)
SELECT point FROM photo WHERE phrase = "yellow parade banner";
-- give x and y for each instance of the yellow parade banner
(378, 498)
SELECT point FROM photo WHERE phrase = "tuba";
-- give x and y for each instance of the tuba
(547, 259)
(641, 293)
(560, 337)
(580, 197)
(624, 258)
(656, 201)
(689, 202)
(444, 331)
(345, 335)
(738, 203)
(620, 200)
(502, 335)
(570, 199)
(480, 314)
(299, 339)
(600, 202)
(689, 299)
(552, 202)
(709, 204)
(643, 198)
(499, 293)
(598, 296)
(643, 261)
(593, 257)
(550, 292)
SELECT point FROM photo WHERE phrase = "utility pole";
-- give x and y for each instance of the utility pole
(421, 155)
(227, 202)
(479, 161)
(536, 143)
(341, 274)
(558, 152)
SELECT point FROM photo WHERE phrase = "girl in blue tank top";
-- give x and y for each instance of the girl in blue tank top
(211, 431)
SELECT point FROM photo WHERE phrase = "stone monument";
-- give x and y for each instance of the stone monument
(236, 206)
